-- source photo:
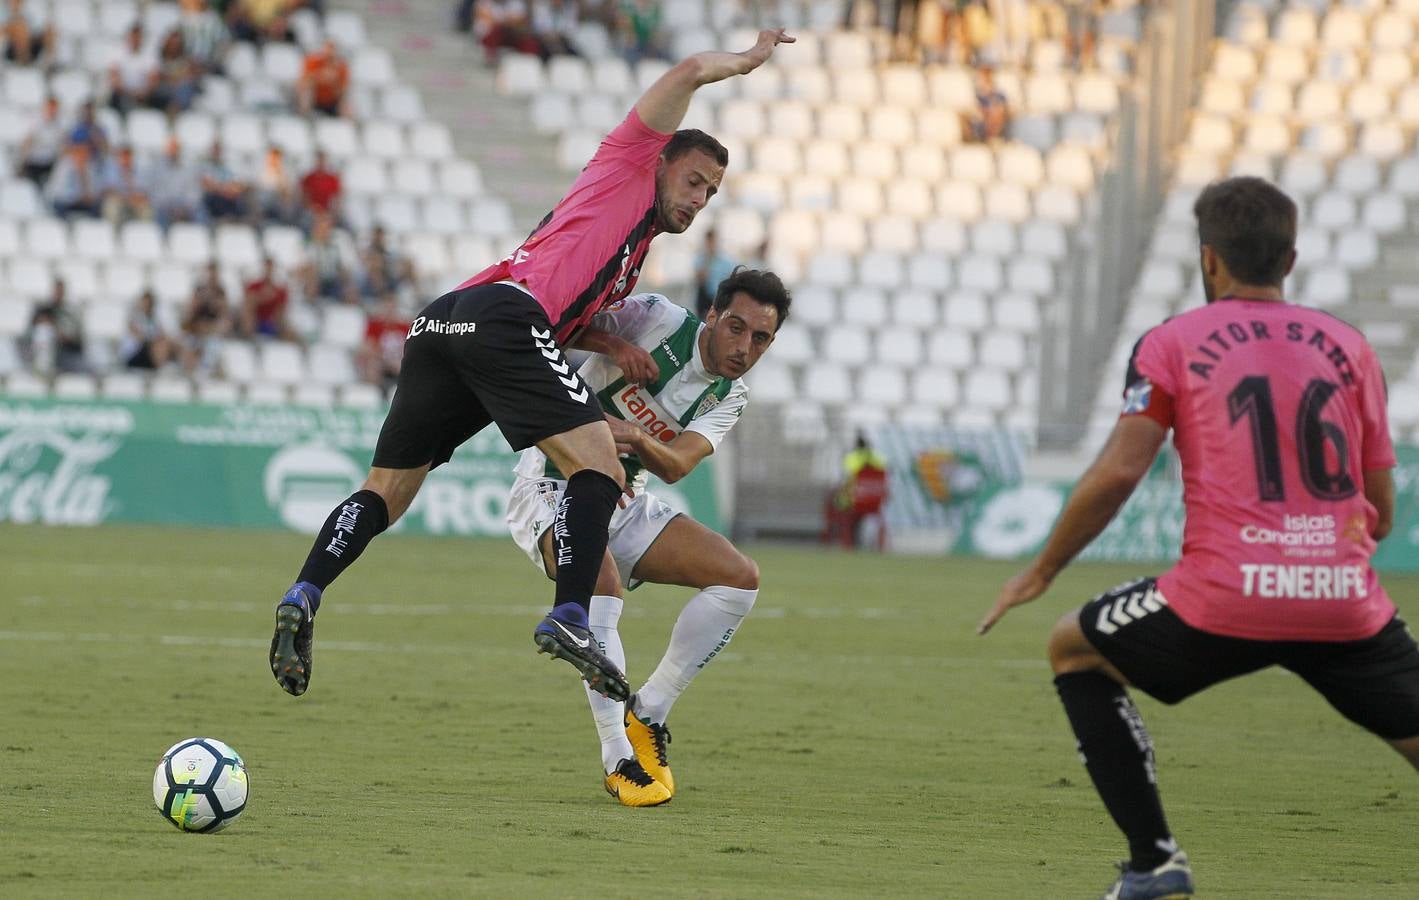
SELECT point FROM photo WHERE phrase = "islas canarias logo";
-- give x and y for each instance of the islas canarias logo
(638, 406)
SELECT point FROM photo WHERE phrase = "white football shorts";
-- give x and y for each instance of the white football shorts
(532, 506)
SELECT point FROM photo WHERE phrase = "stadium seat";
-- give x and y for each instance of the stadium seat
(1003, 350)
(980, 274)
(855, 87)
(337, 137)
(30, 277)
(932, 272)
(966, 310)
(1273, 99)
(316, 396)
(827, 383)
(915, 308)
(987, 389)
(793, 345)
(993, 238)
(882, 387)
(973, 163)
(74, 386)
(46, 239)
(1357, 249)
(15, 313)
(1392, 30)
(22, 384)
(882, 270)
(898, 346)
(959, 200)
(815, 305)
(860, 197)
(943, 235)
(1031, 275)
(1384, 213)
(892, 234)
(772, 382)
(936, 388)
(864, 307)
(1333, 210)
(266, 393)
(122, 386)
(1326, 286)
(80, 278)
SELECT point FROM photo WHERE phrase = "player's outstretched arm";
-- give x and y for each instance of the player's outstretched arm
(662, 107)
(668, 462)
(1104, 488)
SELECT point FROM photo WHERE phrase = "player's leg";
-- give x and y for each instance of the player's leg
(687, 553)
(504, 351)
(1372, 682)
(1113, 741)
(431, 414)
(625, 779)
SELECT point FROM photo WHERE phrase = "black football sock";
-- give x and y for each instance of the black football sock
(343, 537)
(579, 534)
(1118, 753)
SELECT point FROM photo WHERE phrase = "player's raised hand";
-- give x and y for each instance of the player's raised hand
(635, 363)
(769, 38)
(1018, 591)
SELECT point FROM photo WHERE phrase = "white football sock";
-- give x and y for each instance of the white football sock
(604, 614)
(705, 626)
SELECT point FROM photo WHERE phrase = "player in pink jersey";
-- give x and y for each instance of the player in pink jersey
(1278, 415)
(491, 352)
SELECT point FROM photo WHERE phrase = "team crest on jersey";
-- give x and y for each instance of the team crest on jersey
(707, 404)
(1135, 399)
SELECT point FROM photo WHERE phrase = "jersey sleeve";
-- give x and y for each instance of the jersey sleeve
(633, 318)
(716, 423)
(1378, 449)
(1148, 386)
(632, 143)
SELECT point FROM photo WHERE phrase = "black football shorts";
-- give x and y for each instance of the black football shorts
(480, 355)
(1373, 682)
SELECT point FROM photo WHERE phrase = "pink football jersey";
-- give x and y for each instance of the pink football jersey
(588, 252)
(1277, 412)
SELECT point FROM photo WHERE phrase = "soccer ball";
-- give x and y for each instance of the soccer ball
(200, 785)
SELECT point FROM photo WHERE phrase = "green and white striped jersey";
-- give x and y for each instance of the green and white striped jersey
(685, 397)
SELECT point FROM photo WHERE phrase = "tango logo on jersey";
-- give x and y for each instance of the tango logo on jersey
(642, 409)
(1135, 399)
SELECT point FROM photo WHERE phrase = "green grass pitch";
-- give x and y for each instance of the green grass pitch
(857, 740)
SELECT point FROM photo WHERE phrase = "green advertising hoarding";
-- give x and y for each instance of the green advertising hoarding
(91, 462)
(1012, 521)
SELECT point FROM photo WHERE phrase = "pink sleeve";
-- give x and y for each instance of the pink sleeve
(632, 143)
(1378, 450)
(1150, 360)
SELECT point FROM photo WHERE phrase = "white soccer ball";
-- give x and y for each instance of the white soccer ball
(200, 785)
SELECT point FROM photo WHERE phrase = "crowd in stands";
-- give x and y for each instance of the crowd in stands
(548, 27)
(84, 171)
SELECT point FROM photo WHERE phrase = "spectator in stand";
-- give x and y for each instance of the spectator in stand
(224, 194)
(179, 76)
(978, 29)
(26, 43)
(381, 353)
(554, 24)
(263, 309)
(278, 197)
(73, 187)
(321, 188)
(385, 271)
(125, 190)
(206, 321)
(324, 81)
(503, 23)
(88, 131)
(56, 338)
(992, 116)
(640, 31)
(133, 77)
(146, 346)
(40, 149)
(1082, 25)
(175, 188)
(330, 261)
(204, 35)
(712, 266)
(258, 21)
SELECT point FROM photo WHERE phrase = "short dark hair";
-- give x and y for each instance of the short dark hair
(761, 284)
(687, 139)
(1251, 224)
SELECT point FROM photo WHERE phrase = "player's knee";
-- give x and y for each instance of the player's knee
(1069, 650)
(744, 575)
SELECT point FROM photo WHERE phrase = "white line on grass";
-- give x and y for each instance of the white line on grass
(483, 649)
